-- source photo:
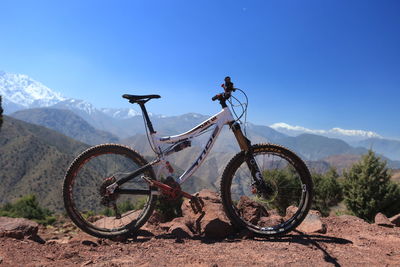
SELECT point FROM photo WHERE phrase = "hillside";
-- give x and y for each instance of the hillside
(34, 159)
(391, 148)
(67, 123)
(82, 122)
(316, 147)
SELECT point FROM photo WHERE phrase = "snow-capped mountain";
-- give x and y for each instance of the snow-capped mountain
(80, 105)
(125, 113)
(346, 135)
(20, 91)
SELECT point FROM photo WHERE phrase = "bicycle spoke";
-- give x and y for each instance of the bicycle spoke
(91, 206)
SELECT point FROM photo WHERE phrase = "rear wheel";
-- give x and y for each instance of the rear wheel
(289, 187)
(91, 208)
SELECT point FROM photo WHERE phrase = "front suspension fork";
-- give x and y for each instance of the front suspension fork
(258, 185)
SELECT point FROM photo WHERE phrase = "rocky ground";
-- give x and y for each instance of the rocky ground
(342, 240)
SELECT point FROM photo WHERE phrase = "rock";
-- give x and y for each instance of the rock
(211, 196)
(58, 241)
(156, 218)
(270, 220)
(290, 211)
(89, 243)
(18, 228)
(382, 220)
(250, 210)
(212, 221)
(84, 239)
(216, 228)
(312, 223)
(180, 230)
(87, 263)
(395, 220)
(245, 234)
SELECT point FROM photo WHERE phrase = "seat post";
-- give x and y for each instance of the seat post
(146, 116)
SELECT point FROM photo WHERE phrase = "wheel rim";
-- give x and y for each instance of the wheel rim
(285, 202)
(87, 200)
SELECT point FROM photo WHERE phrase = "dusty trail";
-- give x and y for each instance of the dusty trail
(349, 241)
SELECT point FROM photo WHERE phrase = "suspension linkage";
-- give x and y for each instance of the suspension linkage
(196, 202)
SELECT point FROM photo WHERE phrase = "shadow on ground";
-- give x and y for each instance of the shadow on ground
(297, 237)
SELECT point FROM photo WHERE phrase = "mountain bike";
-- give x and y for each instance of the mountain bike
(110, 190)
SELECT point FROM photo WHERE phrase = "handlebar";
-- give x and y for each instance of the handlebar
(228, 88)
(216, 97)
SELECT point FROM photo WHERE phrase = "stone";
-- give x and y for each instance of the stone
(89, 243)
(245, 234)
(290, 211)
(18, 228)
(271, 220)
(87, 263)
(84, 239)
(395, 220)
(382, 220)
(250, 210)
(212, 221)
(180, 230)
(312, 223)
(156, 218)
(216, 228)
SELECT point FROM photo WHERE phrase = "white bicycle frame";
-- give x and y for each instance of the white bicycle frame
(219, 120)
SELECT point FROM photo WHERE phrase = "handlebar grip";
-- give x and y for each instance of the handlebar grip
(215, 97)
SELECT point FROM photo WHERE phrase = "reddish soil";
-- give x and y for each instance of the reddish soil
(349, 241)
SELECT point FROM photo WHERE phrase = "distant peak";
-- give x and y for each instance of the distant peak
(23, 90)
(368, 134)
(334, 132)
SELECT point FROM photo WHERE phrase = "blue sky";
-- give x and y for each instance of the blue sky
(318, 64)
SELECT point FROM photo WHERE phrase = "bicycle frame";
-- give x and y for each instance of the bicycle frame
(219, 120)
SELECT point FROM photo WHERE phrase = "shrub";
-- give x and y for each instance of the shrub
(28, 207)
(327, 191)
(286, 188)
(368, 189)
(125, 206)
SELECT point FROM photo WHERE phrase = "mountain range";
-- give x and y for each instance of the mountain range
(34, 159)
(346, 135)
(20, 92)
(45, 132)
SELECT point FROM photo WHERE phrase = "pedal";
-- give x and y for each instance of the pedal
(196, 203)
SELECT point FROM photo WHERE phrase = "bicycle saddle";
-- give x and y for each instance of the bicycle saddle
(136, 98)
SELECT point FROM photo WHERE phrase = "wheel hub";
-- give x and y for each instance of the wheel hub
(108, 199)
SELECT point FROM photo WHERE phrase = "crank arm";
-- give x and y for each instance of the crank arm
(166, 189)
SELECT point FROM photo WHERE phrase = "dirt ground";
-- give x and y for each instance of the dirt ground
(349, 241)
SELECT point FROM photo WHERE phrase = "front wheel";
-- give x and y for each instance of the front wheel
(289, 191)
(97, 212)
